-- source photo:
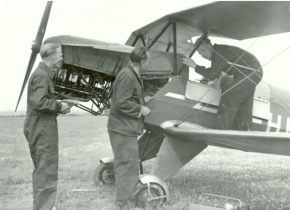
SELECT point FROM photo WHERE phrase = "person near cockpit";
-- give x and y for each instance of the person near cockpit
(236, 103)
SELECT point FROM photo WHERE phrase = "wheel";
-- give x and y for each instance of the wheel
(149, 195)
(104, 174)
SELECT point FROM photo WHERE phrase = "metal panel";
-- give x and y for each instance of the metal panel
(100, 60)
(110, 59)
(202, 93)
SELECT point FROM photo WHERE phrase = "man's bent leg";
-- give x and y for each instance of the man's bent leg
(232, 100)
(226, 112)
(244, 114)
(229, 106)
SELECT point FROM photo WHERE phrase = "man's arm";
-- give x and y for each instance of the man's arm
(208, 73)
(39, 95)
(124, 94)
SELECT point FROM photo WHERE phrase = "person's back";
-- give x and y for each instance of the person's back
(236, 62)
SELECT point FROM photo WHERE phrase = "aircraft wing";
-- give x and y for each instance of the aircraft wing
(232, 19)
(251, 141)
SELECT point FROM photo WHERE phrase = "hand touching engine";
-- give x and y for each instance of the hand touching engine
(65, 108)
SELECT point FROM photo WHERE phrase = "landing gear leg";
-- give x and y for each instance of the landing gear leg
(150, 192)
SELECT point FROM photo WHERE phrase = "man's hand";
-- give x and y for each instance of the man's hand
(216, 82)
(65, 108)
(204, 80)
(189, 62)
(147, 99)
(71, 102)
(145, 111)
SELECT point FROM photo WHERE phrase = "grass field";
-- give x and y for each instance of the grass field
(261, 181)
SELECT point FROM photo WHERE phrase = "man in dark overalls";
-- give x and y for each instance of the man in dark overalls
(40, 126)
(236, 104)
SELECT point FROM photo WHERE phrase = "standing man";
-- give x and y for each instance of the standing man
(40, 126)
(125, 124)
(236, 104)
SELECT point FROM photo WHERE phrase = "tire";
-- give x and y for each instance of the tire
(104, 174)
(145, 192)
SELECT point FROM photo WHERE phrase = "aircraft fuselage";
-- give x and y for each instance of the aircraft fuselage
(170, 103)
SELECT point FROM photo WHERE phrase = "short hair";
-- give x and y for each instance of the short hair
(48, 49)
(138, 54)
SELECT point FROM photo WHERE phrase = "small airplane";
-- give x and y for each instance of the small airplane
(181, 124)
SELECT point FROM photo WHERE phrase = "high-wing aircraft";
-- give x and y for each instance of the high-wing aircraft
(181, 123)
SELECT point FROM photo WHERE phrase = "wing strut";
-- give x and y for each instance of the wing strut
(204, 36)
(159, 34)
(174, 47)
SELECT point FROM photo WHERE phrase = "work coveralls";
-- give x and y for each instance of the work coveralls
(41, 132)
(236, 104)
(125, 124)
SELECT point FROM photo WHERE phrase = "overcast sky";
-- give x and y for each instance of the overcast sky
(107, 20)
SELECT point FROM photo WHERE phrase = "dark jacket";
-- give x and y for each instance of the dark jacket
(219, 63)
(42, 108)
(127, 98)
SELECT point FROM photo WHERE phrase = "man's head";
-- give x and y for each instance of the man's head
(139, 56)
(205, 48)
(51, 55)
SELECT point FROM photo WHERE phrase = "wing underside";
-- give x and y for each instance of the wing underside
(235, 19)
(251, 141)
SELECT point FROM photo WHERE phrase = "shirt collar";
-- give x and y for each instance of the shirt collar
(136, 73)
(133, 69)
(49, 72)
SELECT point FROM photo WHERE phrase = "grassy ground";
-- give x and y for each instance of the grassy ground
(262, 181)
